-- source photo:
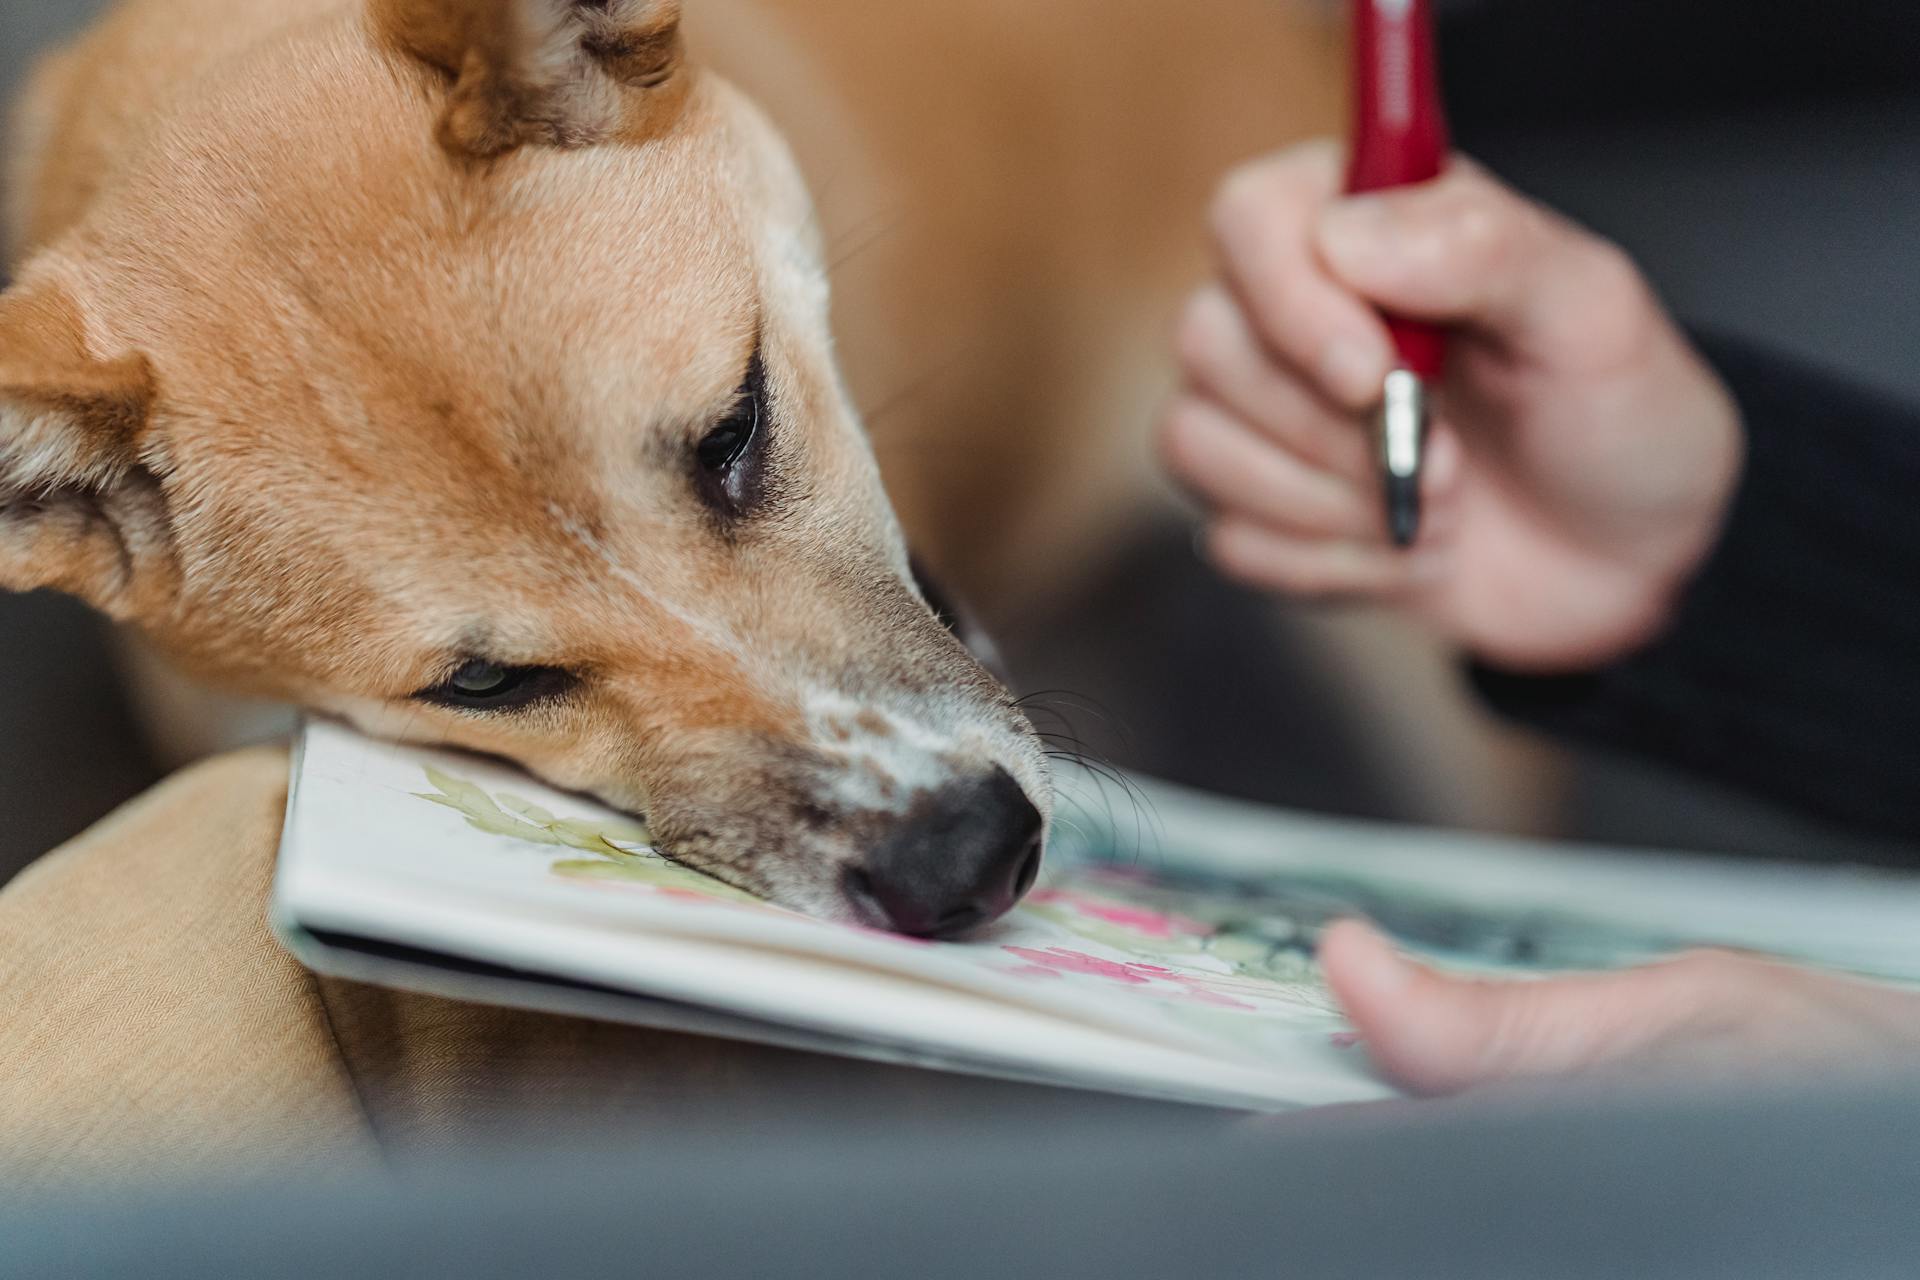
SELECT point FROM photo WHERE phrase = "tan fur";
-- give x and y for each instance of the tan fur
(421, 391)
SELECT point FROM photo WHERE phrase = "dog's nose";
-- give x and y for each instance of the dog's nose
(961, 857)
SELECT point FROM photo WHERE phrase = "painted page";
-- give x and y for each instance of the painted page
(1167, 950)
(1093, 979)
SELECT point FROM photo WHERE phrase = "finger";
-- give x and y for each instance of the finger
(1435, 1034)
(1317, 568)
(1229, 466)
(1467, 249)
(1263, 229)
(1299, 505)
(1223, 357)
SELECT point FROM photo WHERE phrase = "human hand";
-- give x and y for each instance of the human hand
(1707, 1012)
(1582, 458)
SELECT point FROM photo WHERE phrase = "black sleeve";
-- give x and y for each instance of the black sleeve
(1792, 668)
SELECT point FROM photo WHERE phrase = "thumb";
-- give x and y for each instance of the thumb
(1435, 1034)
(1466, 250)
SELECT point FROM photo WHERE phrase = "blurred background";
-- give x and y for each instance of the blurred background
(1761, 162)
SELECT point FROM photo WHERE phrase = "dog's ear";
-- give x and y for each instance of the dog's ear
(562, 72)
(79, 510)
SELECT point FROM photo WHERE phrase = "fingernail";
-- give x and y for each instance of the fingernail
(1353, 371)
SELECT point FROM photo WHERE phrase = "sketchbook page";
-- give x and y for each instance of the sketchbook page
(1489, 902)
(466, 857)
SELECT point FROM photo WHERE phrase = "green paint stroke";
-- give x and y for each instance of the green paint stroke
(622, 848)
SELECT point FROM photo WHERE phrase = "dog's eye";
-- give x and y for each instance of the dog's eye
(722, 446)
(480, 679)
(730, 471)
(480, 685)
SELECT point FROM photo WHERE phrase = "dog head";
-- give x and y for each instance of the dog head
(461, 368)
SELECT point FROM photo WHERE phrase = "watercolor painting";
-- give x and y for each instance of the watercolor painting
(1283, 914)
(1189, 939)
(1177, 914)
(1228, 955)
(1169, 947)
(1093, 926)
(622, 848)
(1207, 948)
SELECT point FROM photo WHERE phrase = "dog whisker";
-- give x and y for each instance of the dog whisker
(869, 234)
(1068, 746)
(904, 394)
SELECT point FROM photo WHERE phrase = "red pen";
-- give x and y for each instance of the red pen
(1399, 137)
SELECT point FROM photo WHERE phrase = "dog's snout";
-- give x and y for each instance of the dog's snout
(960, 858)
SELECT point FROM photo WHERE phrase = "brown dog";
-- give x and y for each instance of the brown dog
(461, 367)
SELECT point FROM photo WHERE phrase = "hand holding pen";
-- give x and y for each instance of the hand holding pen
(1582, 455)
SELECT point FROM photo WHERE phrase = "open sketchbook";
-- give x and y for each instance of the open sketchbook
(1166, 951)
